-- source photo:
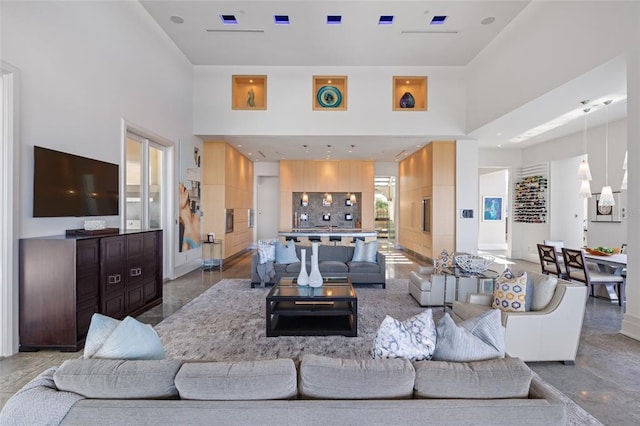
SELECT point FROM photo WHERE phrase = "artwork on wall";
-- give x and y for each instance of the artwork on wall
(491, 208)
(189, 187)
(600, 213)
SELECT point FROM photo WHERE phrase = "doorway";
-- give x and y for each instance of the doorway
(384, 213)
(147, 172)
(267, 223)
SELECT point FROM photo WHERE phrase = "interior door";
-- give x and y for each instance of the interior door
(268, 207)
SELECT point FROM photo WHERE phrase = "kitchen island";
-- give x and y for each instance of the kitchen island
(327, 232)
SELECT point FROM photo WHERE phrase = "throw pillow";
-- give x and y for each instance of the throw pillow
(445, 260)
(544, 287)
(365, 252)
(510, 292)
(475, 339)
(132, 340)
(266, 251)
(413, 339)
(100, 329)
(286, 254)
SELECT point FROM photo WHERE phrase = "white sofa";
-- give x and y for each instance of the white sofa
(549, 334)
(428, 288)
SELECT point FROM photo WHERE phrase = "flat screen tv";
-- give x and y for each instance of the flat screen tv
(69, 185)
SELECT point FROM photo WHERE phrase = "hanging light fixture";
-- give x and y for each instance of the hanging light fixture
(584, 173)
(623, 185)
(353, 199)
(606, 195)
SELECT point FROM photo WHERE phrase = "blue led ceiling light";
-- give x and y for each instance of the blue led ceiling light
(385, 20)
(438, 19)
(334, 19)
(229, 19)
(281, 19)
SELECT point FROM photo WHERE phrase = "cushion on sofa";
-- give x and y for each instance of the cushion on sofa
(496, 378)
(118, 379)
(338, 253)
(332, 266)
(544, 287)
(363, 267)
(412, 339)
(333, 378)
(286, 254)
(475, 339)
(266, 251)
(132, 339)
(510, 291)
(100, 329)
(365, 252)
(243, 380)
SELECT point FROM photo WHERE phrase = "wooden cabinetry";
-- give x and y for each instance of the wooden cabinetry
(64, 281)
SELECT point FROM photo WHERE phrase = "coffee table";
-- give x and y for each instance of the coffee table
(294, 310)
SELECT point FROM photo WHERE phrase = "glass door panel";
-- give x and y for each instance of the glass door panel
(155, 187)
(133, 210)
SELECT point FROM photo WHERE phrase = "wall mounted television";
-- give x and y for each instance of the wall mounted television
(69, 185)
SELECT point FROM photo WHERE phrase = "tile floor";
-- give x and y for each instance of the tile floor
(604, 380)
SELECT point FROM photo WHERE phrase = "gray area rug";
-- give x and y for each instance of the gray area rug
(227, 322)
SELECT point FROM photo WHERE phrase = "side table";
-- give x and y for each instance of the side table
(209, 258)
(458, 273)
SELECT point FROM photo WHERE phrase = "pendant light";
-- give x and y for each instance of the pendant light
(584, 173)
(623, 185)
(328, 198)
(353, 199)
(606, 195)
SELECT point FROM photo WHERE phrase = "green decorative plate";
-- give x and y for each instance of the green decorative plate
(329, 97)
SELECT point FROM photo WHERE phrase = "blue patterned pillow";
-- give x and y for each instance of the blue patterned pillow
(413, 339)
(286, 254)
(266, 251)
(365, 252)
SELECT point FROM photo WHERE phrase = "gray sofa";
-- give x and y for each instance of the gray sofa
(316, 390)
(333, 261)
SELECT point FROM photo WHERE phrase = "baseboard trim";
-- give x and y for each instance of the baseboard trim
(631, 326)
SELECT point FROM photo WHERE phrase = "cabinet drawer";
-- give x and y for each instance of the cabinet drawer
(114, 306)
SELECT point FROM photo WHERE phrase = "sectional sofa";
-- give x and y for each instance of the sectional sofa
(315, 390)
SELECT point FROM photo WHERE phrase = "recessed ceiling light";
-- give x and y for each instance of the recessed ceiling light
(229, 19)
(488, 20)
(281, 19)
(334, 19)
(239, 146)
(176, 19)
(248, 153)
(438, 19)
(385, 20)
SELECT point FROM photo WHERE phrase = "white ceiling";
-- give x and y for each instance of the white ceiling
(360, 41)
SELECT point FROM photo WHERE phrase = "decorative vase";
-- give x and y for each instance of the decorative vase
(315, 279)
(303, 277)
(407, 100)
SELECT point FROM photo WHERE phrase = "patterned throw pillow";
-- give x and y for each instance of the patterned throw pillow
(445, 260)
(413, 339)
(266, 251)
(510, 292)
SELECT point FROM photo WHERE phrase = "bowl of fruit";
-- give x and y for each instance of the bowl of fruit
(602, 251)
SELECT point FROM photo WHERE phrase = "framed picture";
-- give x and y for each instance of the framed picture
(347, 202)
(348, 216)
(600, 213)
(492, 208)
(326, 203)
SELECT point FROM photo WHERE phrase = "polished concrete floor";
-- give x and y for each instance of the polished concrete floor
(604, 380)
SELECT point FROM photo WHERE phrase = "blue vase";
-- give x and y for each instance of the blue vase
(407, 100)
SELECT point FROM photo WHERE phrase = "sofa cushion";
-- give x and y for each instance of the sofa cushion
(496, 378)
(243, 380)
(132, 339)
(100, 329)
(544, 287)
(332, 266)
(286, 254)
(475, 339)
(333, 378)
(338, 253)
(365, 252)
(510, 292)
(413, 339)
(118, 379)
(281, 268)
(363, 267)
(266, 251)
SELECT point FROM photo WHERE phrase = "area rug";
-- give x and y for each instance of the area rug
(227, 322)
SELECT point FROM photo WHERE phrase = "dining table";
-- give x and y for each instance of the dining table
(616, 262)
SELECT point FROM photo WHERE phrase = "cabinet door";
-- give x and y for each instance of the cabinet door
(112, 266)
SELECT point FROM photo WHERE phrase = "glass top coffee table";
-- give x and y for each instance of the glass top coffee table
(294, 310)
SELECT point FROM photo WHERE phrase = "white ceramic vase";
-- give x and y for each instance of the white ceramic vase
(303, 277)
(315, 279)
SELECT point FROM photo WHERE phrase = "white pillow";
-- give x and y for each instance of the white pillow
(544, 287)
(365, 252)
(266, 251)
(475, 339)
(132, 340)
(100, 329)
(286, 254)
(413, 339)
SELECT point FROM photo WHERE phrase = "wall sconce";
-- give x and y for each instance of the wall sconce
(328, 198)
(305, 199)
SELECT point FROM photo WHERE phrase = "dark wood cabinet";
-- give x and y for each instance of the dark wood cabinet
(65, 280)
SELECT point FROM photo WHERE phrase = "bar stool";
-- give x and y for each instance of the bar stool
(294, 238)
(335, 239)
(357, 238)
(315, 239)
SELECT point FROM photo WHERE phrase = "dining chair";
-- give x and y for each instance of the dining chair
(550, 261)
(577, 269)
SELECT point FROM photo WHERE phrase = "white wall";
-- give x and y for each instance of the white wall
(84, 67)
(548, 44)
(467, 195)
(289, 102)
(566, 207)
(492, 234)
